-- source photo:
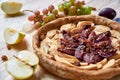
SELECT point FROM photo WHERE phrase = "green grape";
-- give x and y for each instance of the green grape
(46, 19)
(79, 11)
(83, 10)
(55, 11)
(43, 23)
(72, 10)
(72, 1)
(51, 16)
(37, 25)
(61, 7)
(66, 11)
(67, 4)
(88, 10)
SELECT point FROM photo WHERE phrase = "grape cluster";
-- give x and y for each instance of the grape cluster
(68, 8)
(73, 7)
(47, 14)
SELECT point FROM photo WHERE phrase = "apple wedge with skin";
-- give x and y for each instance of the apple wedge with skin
(11, 7)
(23, 65)
(11, 36)
(18, 69)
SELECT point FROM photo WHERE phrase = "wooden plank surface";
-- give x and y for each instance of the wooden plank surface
(17, 23)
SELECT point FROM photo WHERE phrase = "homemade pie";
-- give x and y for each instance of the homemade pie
(79, 47)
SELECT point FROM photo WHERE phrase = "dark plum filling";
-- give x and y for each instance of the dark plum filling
(86, 45)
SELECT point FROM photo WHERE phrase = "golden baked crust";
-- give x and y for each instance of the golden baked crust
(72, 72)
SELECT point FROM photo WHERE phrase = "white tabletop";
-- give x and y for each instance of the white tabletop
(18, 21)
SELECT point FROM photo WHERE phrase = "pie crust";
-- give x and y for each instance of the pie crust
(87, 72)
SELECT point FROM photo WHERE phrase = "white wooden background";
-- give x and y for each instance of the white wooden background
(17, 23)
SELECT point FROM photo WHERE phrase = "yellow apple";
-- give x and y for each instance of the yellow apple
(11, 7)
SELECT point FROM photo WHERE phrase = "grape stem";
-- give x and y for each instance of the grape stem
(27, 11)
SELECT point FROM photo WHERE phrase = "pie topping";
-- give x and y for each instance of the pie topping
(85, 45)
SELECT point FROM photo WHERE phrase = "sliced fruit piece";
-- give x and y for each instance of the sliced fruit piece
(11, 7)
(28, 57)
(27, 27)
(18, 69)
(11, 36)
(100, 29)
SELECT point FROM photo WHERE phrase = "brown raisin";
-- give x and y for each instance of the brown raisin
(4, 58)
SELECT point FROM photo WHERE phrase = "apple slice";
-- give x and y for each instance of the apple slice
(28, 57)
(23, 65)
(11, 7)
(18, 69)
(12, 36)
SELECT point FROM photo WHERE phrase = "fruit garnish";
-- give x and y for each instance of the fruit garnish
(28, 57)
(18, 69)
(74, 8)
(108, 13)
(11, 36)
(67, 8)
(27, 27)
(86, 45)
(11, 7)
(23, 65)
